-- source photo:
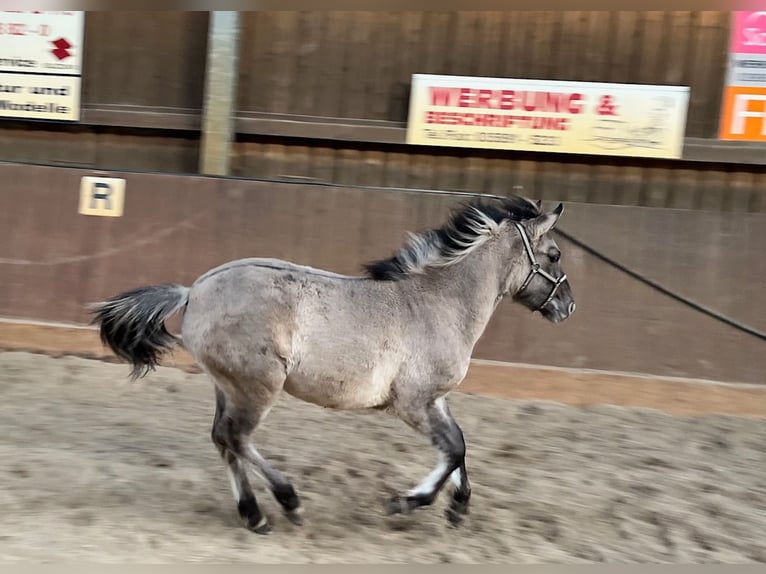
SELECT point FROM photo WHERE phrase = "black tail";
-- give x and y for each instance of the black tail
(132, 324)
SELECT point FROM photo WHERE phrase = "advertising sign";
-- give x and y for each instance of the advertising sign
(743, 112)
(41, 64)
(552, 116)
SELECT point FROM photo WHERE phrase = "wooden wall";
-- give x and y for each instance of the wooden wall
(359, 64)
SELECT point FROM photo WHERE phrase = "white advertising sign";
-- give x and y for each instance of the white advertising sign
(548, 116)
(41, 64)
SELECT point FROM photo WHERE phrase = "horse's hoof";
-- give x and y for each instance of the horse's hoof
(456, 510)
(397, 505)
(262, 527)
(455, 518)
(295, 516)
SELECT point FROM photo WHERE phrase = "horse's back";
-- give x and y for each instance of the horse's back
(269, 264)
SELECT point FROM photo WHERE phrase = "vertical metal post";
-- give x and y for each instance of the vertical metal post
(220, 97)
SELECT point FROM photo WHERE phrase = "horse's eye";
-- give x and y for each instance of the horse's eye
(554, 256)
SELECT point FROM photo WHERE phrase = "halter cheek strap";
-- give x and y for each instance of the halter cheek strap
(537, 270)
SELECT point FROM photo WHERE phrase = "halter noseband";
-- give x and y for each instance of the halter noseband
(536, 270)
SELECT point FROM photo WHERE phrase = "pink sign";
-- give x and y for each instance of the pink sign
(749, 33)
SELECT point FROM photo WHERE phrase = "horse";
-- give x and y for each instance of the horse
(396, 338)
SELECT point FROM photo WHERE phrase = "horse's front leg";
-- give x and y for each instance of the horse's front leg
(434, 420)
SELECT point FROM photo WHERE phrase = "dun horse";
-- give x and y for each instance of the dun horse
(397, 339)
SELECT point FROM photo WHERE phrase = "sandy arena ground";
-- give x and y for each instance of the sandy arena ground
(97, 468)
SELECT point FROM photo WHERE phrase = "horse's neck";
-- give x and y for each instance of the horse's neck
(472, 287)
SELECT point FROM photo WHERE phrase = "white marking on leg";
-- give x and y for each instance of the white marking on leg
(234, 483)
(263, 469)
(428, 485)
(441, 404)
(262, 522)
(456, 477)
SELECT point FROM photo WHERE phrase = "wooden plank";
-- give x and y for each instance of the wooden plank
(330, 75)
(601, 35)
(447, 172)
(396, 169)
(512, 44)
(355, 87)
(347, 166)
(501, 176)
(544, 41)
(276, 156)
(373, 167)
(250, 160)
(605, 178)
(460, 41)
(420, 171)
(257, 60)
(322, 163)
(409, 61)
(758, 197)
(551, 181)
(739, 187)
(383, 69)
(712, 190)
(524, 175)
(284, 61)
(624, 49)
(632, 184)
(572, 65)
(437, 29)
(578, 177)
(475, 174)
(308, 63)
(678, 26)
(296, 163)
(656, 187)
(489, 60)
(654, 46)
(684, 189)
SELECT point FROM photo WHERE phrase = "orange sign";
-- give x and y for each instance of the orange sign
(744, 114)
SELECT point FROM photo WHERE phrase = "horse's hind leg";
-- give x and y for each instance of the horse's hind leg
(232, 432)
(435, 421)
(225, 430)
(280, 486)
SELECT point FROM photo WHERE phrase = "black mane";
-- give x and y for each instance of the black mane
(450, 238)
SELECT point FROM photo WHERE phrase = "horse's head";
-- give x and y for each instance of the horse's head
(544, 286)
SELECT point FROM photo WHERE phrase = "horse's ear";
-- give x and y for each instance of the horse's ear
(542, 224)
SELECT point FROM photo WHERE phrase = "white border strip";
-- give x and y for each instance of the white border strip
(622, 374)
(58, 325)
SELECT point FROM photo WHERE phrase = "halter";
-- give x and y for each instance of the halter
(536, 270)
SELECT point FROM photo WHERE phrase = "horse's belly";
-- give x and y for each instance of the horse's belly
(339, 390)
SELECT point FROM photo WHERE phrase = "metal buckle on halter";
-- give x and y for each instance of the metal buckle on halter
(537, 270)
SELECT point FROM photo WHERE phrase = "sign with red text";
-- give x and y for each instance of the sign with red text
(41, 64)
(552, 116)
(743, 110)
